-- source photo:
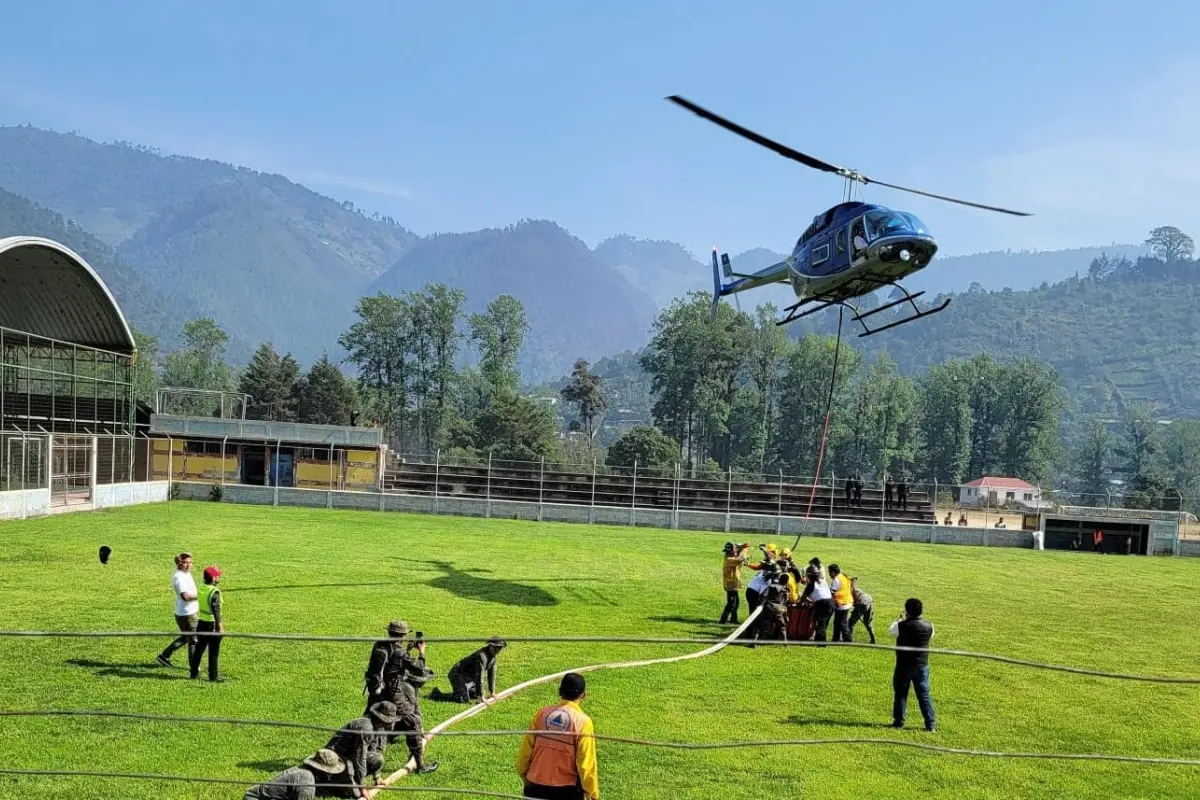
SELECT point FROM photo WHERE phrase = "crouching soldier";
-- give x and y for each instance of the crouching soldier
(467, 676)
(360, 744)
(300, 783)
(394, 675)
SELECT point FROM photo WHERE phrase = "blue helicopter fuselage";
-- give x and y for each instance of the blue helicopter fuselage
(853, 248)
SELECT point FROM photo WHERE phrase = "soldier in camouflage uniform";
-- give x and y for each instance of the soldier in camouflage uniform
(772, 621)
(393, 675)
(473, 674)
(300, 783)
(361, 742)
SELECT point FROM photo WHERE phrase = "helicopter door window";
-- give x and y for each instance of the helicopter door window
(840, 240)
(858, 238)
(820, 255)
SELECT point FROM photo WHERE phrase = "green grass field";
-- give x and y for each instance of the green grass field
(297, 571)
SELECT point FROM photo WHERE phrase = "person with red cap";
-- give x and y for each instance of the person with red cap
(210, 621)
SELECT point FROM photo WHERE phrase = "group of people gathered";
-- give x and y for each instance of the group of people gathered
(395, 673)
(797, 604)
(792, 613)
(556, 759)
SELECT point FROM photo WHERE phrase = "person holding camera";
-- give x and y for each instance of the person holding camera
(394, 675)
(912, 666)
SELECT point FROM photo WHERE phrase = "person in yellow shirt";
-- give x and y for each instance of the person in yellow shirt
(557, 759)
(731, 577)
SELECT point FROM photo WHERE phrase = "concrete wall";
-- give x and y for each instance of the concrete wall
(130, 494)
(606, 515)
(27, 503)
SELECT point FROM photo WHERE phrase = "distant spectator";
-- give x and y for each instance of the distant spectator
(962, 520)
(949, 520)
(888, 488)
(912, 666)
(1001, 524)
(1098, 541)
(902, 494)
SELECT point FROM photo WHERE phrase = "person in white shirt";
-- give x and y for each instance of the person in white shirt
(187, 608)
(817, 591)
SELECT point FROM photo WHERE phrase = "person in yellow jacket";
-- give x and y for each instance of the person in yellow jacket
(557, 759)
(843, 603)
(731, 578)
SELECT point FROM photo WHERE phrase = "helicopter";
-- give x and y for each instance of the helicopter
(849, 251)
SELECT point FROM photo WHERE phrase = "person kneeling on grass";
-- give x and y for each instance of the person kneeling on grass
(299, 783)
(360, 744)
(468, 675)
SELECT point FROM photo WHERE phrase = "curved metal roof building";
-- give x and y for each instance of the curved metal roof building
(49, 291)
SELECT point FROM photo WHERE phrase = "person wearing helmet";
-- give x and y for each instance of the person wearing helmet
(210, 621)
(731, 577)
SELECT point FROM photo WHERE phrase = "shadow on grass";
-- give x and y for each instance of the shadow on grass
(834, 723)
(149, 670)
(275, 766)
(469, 585)
(243, 590)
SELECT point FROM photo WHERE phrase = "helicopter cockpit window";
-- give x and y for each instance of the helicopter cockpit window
(916, 224)
(885, 223)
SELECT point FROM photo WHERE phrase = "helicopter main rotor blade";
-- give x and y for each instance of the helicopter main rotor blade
(865, 179)
(824, 166)
(746, 133)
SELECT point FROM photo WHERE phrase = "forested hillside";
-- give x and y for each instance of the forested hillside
(136, 296)
(576, 304)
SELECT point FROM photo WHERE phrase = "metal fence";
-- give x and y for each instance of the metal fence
(23, 462)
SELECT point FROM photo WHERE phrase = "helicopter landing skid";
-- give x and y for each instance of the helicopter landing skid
(823, 302)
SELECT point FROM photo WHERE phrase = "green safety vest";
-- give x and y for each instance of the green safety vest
(207, 590)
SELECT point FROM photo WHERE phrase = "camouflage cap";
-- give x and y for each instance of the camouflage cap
(398, 627)
(497, 642)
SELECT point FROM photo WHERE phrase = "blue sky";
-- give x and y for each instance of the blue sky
(460, 115)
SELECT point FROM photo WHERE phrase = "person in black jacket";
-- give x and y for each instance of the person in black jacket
(912, 667)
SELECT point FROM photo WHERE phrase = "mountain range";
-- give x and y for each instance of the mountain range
(178, 238)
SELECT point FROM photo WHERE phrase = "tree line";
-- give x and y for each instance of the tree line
(727, 393)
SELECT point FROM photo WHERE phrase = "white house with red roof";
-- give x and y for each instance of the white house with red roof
(995, 491)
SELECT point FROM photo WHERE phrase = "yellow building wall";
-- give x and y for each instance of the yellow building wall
(171, 455)
(352, 469)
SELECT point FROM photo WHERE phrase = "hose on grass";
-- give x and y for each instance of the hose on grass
(512, 690)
